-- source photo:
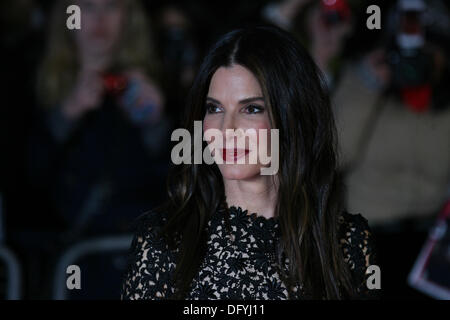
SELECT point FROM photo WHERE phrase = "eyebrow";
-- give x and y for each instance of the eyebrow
(243, 101)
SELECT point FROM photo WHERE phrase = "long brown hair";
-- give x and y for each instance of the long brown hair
(60, 65)
(308, 200)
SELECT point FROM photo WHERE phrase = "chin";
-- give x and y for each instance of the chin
(239, 171)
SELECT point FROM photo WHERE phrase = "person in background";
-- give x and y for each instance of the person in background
(322, 26)
(98, 146)
(393, 118)
(179, 52)
(96, 157)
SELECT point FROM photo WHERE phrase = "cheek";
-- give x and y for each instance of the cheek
(210, 122)
(206, 125)
(260, 127)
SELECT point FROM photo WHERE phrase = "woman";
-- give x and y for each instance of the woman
(113, 39)
(229, 232)
(98, 145)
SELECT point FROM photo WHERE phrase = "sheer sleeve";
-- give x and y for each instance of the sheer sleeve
(130, 283)
(150, 262)
(359, 252)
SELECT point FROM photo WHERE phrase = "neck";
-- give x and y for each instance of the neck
(258, 195)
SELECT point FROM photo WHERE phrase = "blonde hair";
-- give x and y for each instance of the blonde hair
(57, 73)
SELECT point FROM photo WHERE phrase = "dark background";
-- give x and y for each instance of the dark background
(31, 227)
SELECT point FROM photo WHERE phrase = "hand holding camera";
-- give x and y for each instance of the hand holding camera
(329, 25)
(86, 95)
(140, 98)
(133, 92)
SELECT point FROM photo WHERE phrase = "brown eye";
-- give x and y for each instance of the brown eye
(252, 109)
(212, 108)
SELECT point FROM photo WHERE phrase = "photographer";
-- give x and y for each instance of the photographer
(393, 118)
(97, 151)
(324, 27)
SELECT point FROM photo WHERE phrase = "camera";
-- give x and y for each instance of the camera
(114, 83)
(410, 63)
(335, 11)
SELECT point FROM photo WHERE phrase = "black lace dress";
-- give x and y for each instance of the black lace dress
(238, 265)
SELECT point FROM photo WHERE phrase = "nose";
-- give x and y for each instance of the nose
(230, 129)
(228, 122)
(228, 125)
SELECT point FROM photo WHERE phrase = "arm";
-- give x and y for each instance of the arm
(359, 252)
(354, 101)
(131, 284)
(151, 263)
(144, 103)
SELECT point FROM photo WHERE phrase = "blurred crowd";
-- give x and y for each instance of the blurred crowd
(87, 115)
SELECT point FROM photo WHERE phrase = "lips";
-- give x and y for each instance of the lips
(233, 154)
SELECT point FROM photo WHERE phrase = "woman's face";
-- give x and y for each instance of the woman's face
(235, 101)
(101, 25)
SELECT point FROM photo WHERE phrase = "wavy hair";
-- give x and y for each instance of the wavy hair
(58, 70)
(309, 193)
